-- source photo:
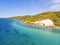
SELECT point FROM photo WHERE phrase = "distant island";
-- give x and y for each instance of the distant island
(28, 19)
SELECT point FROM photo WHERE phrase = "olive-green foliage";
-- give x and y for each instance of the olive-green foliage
(54, 16)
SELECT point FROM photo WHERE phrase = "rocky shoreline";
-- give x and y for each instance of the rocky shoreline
(38, 24)
(58, 27)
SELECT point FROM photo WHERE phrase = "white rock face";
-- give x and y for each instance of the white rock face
(46, 22)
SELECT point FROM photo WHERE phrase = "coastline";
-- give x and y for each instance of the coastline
(58, 27)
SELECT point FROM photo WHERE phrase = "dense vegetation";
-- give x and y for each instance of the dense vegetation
(54, 16)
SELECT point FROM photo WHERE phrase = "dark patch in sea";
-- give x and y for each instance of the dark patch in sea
(56, 30)
(18, 33)
(7, 31)
(1, 38)
(25, 35)
(33, 44)
(0, 30)
(26, 40)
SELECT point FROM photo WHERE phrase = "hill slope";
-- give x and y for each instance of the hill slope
(54, 16)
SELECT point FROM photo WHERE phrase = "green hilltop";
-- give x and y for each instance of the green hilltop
(54, 16)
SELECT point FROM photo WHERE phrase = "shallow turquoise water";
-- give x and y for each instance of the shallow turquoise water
(14, 32)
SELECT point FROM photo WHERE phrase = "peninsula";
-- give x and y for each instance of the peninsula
(49, 18)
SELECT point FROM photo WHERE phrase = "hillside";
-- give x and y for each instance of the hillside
(54, 16)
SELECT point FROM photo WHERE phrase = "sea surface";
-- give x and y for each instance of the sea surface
(14, 32)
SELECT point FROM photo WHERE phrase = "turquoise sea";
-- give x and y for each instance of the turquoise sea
(14, 32)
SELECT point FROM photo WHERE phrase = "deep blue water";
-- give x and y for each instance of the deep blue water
(14, 32)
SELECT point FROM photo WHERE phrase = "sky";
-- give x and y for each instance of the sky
(9, 8)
